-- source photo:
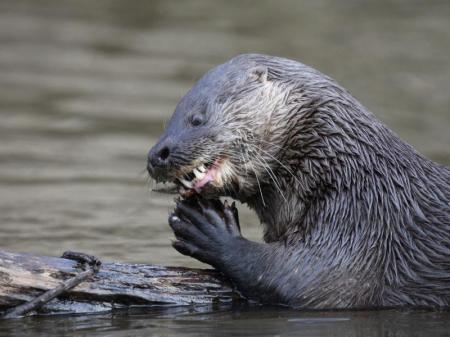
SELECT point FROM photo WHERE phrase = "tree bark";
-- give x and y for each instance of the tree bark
(115, 285)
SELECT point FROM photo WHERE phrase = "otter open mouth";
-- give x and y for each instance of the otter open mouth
(194, 181)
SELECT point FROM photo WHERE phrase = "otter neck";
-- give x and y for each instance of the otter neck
(351, 176)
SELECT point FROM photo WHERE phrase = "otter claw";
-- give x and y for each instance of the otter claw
(232, 218)
(205, 229)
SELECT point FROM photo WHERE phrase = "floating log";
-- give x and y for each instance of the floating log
(23, 277)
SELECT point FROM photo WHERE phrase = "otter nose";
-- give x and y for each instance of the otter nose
(158, 159)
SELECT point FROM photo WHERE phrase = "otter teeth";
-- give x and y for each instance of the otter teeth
(190, 179)
(198, 174)
(186, 183)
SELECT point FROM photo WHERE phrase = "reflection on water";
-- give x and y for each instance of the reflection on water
(200, 322)
(86, 87)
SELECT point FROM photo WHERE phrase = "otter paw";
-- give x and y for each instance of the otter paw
(205, 229)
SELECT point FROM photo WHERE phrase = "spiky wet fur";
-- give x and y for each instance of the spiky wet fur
(335, 189)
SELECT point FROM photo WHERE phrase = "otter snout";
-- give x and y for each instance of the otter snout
(159, 158)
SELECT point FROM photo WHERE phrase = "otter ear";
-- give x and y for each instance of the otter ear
(259, 73)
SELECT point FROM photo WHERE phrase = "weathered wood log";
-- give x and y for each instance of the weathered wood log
(116, 285)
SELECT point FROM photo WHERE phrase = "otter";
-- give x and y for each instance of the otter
(353, 216)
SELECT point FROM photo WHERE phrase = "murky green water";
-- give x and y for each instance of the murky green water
(86, 87)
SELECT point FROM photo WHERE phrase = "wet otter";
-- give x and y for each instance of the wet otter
(353, 216)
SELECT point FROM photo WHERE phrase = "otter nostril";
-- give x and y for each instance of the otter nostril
(164, 154)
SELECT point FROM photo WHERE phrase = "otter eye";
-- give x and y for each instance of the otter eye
(197, 120)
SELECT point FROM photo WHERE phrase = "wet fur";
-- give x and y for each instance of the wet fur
(353, 216)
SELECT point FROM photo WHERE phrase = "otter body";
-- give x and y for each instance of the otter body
(353, 216)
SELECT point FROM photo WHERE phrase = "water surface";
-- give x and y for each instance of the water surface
(201, 322)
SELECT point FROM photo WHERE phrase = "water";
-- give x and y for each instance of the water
(86, 87)
(237, 323)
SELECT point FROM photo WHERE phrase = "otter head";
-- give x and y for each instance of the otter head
(219, 139)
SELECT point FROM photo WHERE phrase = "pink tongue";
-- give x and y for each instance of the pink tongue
(210, 176)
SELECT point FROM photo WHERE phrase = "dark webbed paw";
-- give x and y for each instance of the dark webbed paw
(205, 229)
